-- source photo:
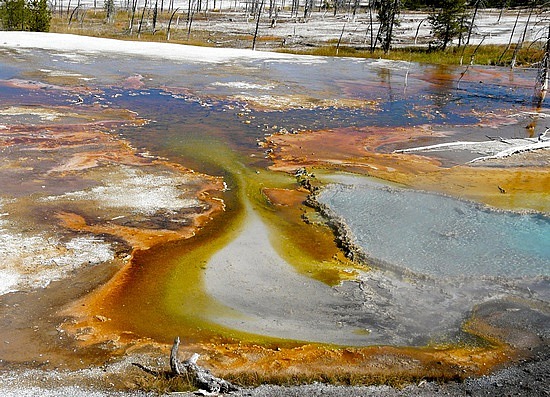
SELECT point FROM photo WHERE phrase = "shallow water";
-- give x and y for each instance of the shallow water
(441, 236)
(199, 117)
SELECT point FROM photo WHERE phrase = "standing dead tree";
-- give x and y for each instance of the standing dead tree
(261, 6)
(371, 26)
(308, 8)
(132, 10)
(110, 10)
(340, 38)
(418, 29)
(523, 36)
(388, 11)
(511, 37)
(141, 19)
(155, 16)
(477, 4)
(75, 12)
(170, 24)
(543, 75)
(190, 15)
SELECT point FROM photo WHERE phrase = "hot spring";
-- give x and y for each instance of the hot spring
(441, 236)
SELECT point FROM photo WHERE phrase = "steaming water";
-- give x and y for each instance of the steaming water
(439, 235)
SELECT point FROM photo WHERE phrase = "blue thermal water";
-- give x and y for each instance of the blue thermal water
(439, 235)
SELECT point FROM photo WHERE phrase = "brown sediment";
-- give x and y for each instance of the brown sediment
(371, 365)
(356, 150)
(285, 197)
(349, 149)
(343, 145)
(145, 233)
(137, 238)
(523, 188)
(133, 82)
(42, 153)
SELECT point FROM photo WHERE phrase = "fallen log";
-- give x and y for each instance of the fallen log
(200, 377)
(514, 150)
(491, 147)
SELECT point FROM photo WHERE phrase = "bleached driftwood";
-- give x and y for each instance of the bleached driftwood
(493, 147)
(542, 142)
(439, 146)
(200, 377)
(514, 150)
(535, 114)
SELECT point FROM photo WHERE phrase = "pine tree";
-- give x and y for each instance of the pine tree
(33, 15)
(447, 20)
(388, 11)
(12, 14)
(39, 16)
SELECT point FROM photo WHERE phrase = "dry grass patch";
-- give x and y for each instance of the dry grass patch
(163, 383)
(482, 55)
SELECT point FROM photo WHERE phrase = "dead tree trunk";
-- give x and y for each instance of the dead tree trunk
(340, 39)
(133, 11)
(543, 74)
(257, 25)
(511, 37)
(200, 377)
(174, 363)
(371, 27)
(472, 22)
(155, 15)
(522, 40)
(141, 20)
(170, 24)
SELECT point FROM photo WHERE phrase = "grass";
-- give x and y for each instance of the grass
(482, 55)
(164, 383)
(168, 384)
(94, 24)
(343, 378)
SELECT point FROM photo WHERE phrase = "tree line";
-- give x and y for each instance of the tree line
(498, 4)
(448, 19)
(31, 15)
